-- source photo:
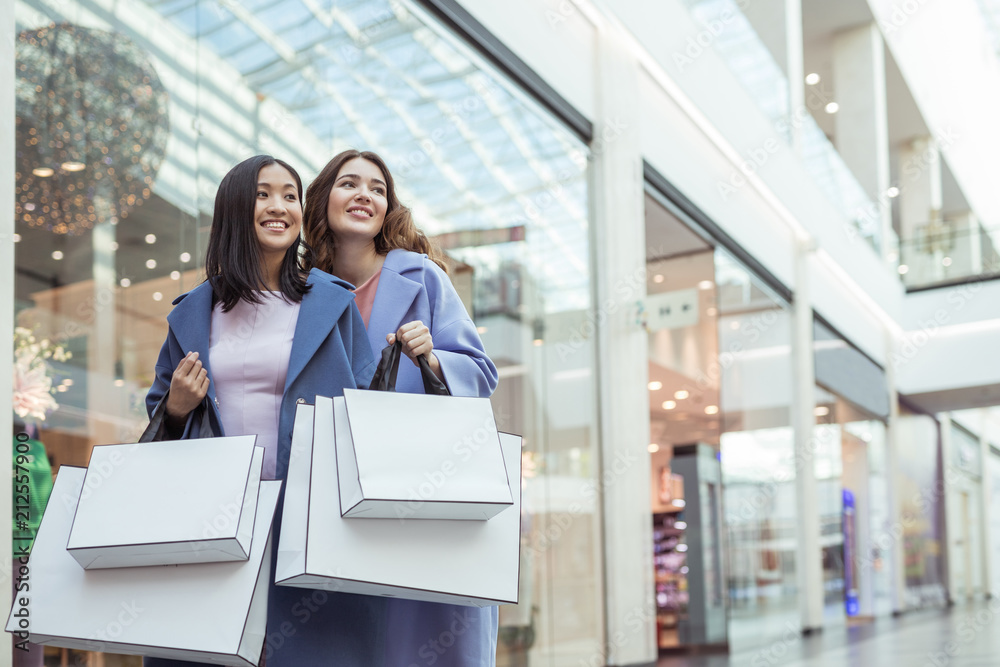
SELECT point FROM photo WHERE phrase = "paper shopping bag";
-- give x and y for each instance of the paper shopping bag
(205, 612)
(461, 562)
(166, 503)
(418, 456)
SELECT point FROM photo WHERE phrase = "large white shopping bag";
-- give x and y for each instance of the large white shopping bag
(418, 456)
(461, 562)
(166, 503)
(205, 612)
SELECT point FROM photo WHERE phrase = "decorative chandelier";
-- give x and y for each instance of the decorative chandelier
(91, 127)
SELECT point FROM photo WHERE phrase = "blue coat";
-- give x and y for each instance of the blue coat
(329, 352)
(411, 287)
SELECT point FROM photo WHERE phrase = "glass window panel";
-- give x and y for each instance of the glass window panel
(490, 174)
(758, 455)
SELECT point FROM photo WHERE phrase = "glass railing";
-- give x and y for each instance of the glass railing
(947, 252)
(752, 63)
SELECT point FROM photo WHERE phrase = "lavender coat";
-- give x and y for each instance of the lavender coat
(411, 287)
(329, 352)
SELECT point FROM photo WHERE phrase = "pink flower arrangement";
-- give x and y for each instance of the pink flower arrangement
(33, 374)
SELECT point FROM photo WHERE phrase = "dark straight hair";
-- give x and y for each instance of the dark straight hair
(234, 261)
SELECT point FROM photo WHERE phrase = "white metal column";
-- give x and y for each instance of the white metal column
(620, 280)
(893, 489)
(808, 554)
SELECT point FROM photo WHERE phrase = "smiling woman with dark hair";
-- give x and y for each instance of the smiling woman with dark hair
(259, 335)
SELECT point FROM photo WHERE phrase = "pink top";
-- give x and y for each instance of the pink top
(248, 353)
(364, 297)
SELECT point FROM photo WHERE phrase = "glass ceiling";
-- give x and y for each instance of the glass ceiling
(468, 153)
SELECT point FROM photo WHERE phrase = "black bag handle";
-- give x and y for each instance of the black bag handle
(156, 431)
(388, 368)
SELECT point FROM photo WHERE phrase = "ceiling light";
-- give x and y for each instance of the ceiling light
(157, 296)
(119, 382)
(17, 238)
(658, 278)
(832, 108)
(682, 548)
(185, 257)
(481, 330)
(114, 245)
(892, 192)
(42, 172)
(706, 284)
(678, 502)
(538, 342)
(653, 448)
(946, 261)
(175, 275)
(150, 263)
(124, 282)
(903, 268)
(822, 411)
(57, 254)
(150, 239)
(680, 525)
(812, 78)
(654, 385)
(669, 405)
(711, 409)
(68, 382)
(734, 325)
(681, 394)
(73, 165)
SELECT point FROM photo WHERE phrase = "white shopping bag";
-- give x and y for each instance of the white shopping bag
(166, 503)
(206, 612)
(461, 562)
(417, 456)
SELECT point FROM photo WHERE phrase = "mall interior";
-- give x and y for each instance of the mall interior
(734, 261)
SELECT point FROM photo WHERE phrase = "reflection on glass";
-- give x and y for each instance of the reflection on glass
(498, 183)
(758, 458)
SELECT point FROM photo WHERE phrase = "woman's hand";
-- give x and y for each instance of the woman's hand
(188, 386)
(417, 341)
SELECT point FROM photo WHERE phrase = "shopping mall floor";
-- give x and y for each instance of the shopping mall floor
(962, 636)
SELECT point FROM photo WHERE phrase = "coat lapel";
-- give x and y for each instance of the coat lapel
(393, 298)
(321, 309)
(190, 320)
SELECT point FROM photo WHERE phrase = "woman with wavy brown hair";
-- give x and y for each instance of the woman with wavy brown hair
(360, 232)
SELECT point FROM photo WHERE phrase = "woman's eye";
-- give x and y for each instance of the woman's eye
(346, 184)
(378, 191)
(261, 194)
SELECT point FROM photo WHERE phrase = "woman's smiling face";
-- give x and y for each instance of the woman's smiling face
(278, 213)
(357, 203)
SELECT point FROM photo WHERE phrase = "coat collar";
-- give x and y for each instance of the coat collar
(321, 309)
(398, 287)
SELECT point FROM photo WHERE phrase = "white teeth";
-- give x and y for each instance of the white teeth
(274, 225)
(360, 210)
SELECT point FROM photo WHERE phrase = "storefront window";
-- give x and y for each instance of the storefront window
(128, 116)
(852, 400)
(964, 476)
(680, 316)
(758, 456)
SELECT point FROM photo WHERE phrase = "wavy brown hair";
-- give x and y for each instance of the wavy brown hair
(398, 229)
